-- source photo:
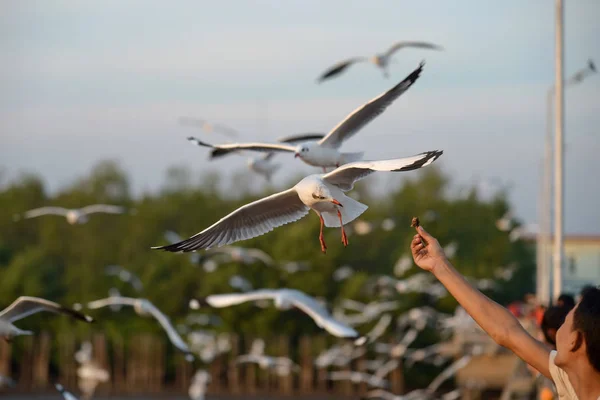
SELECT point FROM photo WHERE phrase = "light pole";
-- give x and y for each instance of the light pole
(545, 202)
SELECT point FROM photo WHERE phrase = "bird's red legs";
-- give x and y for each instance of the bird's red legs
(344, 237)
(321, 238)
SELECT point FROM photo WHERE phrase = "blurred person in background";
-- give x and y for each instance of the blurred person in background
(574, 366)
(566, 300)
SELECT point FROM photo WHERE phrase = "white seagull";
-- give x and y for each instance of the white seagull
(200, 381)
(285, 299)
(125, 276)
(379, 60)
(242, 255)
(65, 394)
(322, 193)
(25, 306)
(74, 215)
(145, 307)
(325, 152)
(264, 165)
(359, 377)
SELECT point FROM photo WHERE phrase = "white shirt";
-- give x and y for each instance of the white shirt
(561, 380)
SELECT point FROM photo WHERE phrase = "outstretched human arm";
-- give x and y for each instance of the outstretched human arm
(496, 320)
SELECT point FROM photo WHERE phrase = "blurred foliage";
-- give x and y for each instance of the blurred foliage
(49, 258)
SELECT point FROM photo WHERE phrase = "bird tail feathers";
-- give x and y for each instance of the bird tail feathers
(351, 210)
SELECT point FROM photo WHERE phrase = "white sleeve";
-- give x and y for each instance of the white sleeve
(561, 380)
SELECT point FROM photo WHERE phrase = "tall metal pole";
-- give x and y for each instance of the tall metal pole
(545, 205)
(558, 151)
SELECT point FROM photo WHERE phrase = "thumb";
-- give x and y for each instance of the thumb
(424, 234)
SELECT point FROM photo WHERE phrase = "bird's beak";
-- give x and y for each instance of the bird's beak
(296, 155)
(337, 203)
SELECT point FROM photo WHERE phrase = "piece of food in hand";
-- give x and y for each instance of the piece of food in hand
(415, 222)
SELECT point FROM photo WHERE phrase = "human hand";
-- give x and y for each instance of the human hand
(426, 250)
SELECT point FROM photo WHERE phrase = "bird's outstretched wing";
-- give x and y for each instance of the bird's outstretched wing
(345, 176)
(36, 212)
(367, 112)
(224, 149)
(301, 137)
(103, 208)
(339, 68)
(320, 315)
(227, 300)
(251, 220)
(419, 45)
(25, 306)
(111, 301)
(164, 321)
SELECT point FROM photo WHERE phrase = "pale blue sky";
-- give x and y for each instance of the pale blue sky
(83, 81)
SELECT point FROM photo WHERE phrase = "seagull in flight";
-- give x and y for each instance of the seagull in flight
(325, 152)
(25, 306)
(263, 165)
(74, 215)
(125, 276)
(324, 194)
(145, 307)
(382, 60)
(200, 381)
(285, 299)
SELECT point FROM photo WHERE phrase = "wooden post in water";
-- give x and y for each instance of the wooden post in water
(320, 344)
(67, 373)
(233, 375)
(286, 382)
(118, 370)
(306, 366)
(99, 355)
(28, 359)
(397, 378)
(5, 358)
(41, 357)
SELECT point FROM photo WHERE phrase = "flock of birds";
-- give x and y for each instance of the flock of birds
(325, 194)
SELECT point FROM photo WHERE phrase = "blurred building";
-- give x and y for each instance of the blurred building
(582, 262)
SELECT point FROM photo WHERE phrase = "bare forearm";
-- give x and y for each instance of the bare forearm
(496, 320)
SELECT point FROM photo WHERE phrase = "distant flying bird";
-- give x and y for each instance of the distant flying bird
(264, 165)
(322, 193)
(282, 366)
(25, 306)
(74, 216)
(89, 373)
(125, 276)
(200, 381)
(65, 394)
(342, 273)
(241, 283)
(379, 60)
(145, 307)
(325, 152)
(208, 127)
(339, 355)
(359, 377)
(242, 255)
(285, 299)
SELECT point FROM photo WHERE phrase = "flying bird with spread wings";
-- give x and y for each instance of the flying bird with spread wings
(25, 306)
(74, 215)
(382, 60)
(325, 194)
(325, 152)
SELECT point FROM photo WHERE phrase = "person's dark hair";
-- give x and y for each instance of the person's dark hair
(566, 300)
(553, 318)
(585, 289)
(586, 320)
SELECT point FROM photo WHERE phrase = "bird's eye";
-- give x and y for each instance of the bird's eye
(322, 197)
